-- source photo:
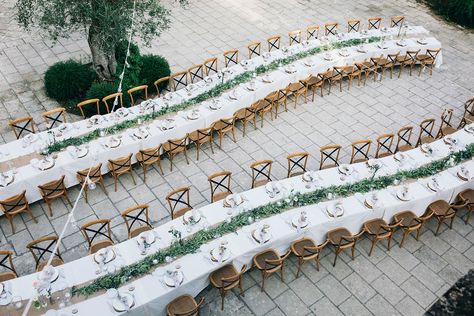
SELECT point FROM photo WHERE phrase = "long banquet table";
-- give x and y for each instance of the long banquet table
(151, 295)
(18, 153)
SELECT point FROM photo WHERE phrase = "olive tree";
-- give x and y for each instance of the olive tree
(103, 22)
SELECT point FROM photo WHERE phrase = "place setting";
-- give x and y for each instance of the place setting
(428, 150)
(29, 139)
(215, 104)
(96, 120)
(233, 95)
(434, 184)
(145, 240)
(464, 174)
(233, 200)
(193, 219)
(311, 178)
(273, 189)
(300, 221)
(6, 296)
(120, 301)
(111, 142)
(140, 133)
(402, 159)
(167, 124)
(43, 164)
(346, 171)
(261, 233)
(193, 114)
(7, 178)
(372, 201)
(63, 129)
(77, 152)
(267, 78)
(403, 193)
(334, 209)
(104, 258)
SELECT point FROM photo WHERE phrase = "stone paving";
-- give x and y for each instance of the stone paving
(403, 281)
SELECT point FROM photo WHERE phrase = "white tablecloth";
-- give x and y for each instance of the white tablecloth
(28, 177)
(197, 267)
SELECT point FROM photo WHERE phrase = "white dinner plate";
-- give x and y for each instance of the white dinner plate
(169, 281)
(122, 306)
(215, 255)
(104, 255)
(261, 239)
(335, 210)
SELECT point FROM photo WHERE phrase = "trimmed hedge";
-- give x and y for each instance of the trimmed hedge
(68, 80)
(100, 90)
(134, 61)
(153, 68)
(459, 11)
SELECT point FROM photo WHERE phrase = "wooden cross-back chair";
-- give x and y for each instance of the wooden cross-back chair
(384, 145)
(397, 21)
(261, 169)
(274, 42)
(329, 156)
(254, 48)
(409, 222)
(148, 157)
(121, 166)
(378, 230)
(341, 239)
(184, 305)
(269, 262)
(99, 228)
(224, 126)
(140, 91)
(351, 72)
(53, 190)
(42, 248)
(220, 185)
(196, 73)
(137, 219)
(201, 137)
(305, 250)
(374, 23)
(261, 107)
(426, 132)
(403, 141)
(113, 96)
(22, 126)
(175, 146)
(162, 85)
(444, 211)
(297, 163)
(6, 263)
(335, 75)
(231, 57)
(353, 26)
(368, 68)
(312, 32)
(179, 80)
(94, 175)
(210, 66)
(226, 278)
(388, 63)
(360, 150)
(276, 98)
(330, 28)
(468, 115)
(294, 37)
(314, 82)
(428, 59)
(446, 128)
(89, 103)
(466, 197)
(179, 202)
(408, 60)
(246, 115)
(15, 205)
(54, 117)
(297, 89)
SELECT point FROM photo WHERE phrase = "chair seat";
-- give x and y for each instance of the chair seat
(334, 236)
(448, 130)
(299, 246)
(5, 276)
(225, 272)
(55, 262)
(468, 195)
(440, 208)
(314, 81)
(194, 136)
(373, 227)
(427, 139)
(427, 59)
(296, 87)
(181, 211)
(181, 305)
(99, 245)
(149, 161)
(259, 259)
(260, 183)
(403, 59)
(53, 195)
(137, 231)
(384, 154)
(405, 147)
(406, 218)
(221, 195)
(359, 160)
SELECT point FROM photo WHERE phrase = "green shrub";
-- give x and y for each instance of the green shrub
(153, 68)
(68, 80)
(134, 60)
(459, 11)
(100, 90)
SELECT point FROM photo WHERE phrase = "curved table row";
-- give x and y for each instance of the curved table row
(28, 177)
(197, 267)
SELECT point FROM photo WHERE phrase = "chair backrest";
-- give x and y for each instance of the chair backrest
(261, 168)
(223, 124)
(433, 53)
(136, 216)
(41, 248)
(220, 182)
(297, 161)
(231, 57)
(204, 135)
(330, 28)
(175, 145)
(254, 48)
(114, 96)
(22, 126)
(392, 58)
(179, 80)
(88, 103)
(191, 311)
(404, 135)
(52, 188)
(232, 281)
(353, 26)
(412, 55)
(446, 117)
(196, 73)
(162, 85)
(210, 66)
(329, 153)
(54, 117)
(142, 92)
(147, 156)
(14, 203)
(426, 128)
(294, 37)
(96, 229)
(120, 164)
(469, 107)
(397, 20)
(312, 32)
(384, 145)
(245, 114)
(6, 262)
(179, 202)
(274, 42)
(94, 174)
(374, 23)
(360, 150)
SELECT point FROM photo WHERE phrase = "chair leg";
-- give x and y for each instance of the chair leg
(221, 135)
(144, 173)
(244, 127)
(31, 215)
(133, 178)
(451, 224)
(49, 207)
(300, 263)
(10, 219)
(440, 221)
(66, 196)
(197, 150)
(400, 70)
(115, 182)
(222, 299)
(418, 233)
(212, 148)
(335, 258)
(263, 281)
(85, 193)
(389, 242)
(468, 216)
(170, 157)
(159, 165)
(233, 135)
(374, 242)
(405, 233)
(261, 118)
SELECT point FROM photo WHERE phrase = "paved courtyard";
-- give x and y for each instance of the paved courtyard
(403, 281)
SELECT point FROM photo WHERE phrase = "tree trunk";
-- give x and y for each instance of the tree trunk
(103, 59)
